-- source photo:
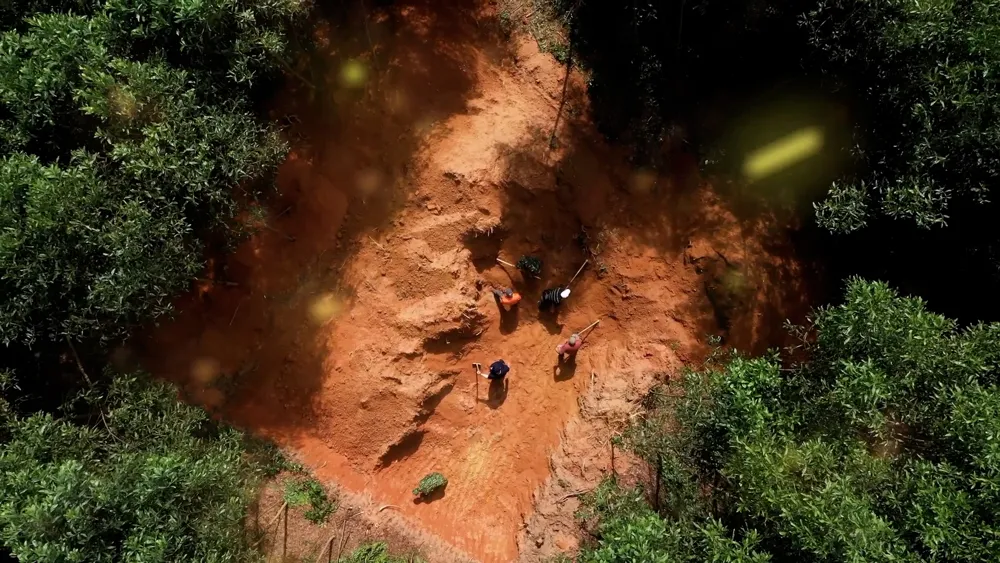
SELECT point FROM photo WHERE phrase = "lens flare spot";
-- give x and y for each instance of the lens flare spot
(369, 181)
(211, 398)
(783, 153)
(205, 370)
(398, 102)
(642, 181)
(324, 308)
(353, 74)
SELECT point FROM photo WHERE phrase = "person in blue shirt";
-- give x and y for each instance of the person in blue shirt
(498, 370)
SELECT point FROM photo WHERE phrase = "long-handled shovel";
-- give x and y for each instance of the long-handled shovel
(479, 368)
(578, 272)
(592, 325)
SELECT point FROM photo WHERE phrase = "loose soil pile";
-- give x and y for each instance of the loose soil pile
(345, 330)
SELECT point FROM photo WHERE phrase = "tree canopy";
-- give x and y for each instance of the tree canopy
(932, 143)
(129, 134)
(151, 479)
(126, 133)
(881, 447)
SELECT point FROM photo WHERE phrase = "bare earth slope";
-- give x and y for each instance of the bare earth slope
(346, 329)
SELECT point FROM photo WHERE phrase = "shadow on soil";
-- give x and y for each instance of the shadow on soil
(438, 494)
(248, 345)
(496, 393)
(565, 369)
(568, 200)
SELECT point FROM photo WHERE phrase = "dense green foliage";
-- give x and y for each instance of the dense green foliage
(430, 483)
(934, 140)
(125, 135)
(377, 552)
(150, 480)
(918, 72)
(882, 447)
(310, 492)
(128, 136)
(902, 89)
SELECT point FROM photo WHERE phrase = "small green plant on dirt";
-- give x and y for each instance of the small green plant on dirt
(377, 552)
(559, 50)
(506, 24)
(593, 245)
(530, 265)
(430, 483)
(309, 491)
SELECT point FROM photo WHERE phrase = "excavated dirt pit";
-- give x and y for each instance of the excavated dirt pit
(346, 329)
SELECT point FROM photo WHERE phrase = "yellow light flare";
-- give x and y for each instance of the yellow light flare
(786, 151)
(369, 181)
(642, 181)
(353, 74)
(324, 308)
(205, 370)
(398, 102)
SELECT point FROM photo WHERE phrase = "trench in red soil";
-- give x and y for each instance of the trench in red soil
(346, 329)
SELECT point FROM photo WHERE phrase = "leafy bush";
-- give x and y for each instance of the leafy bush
(151, 479)
(118, 152)
(309, 491)
(933, 141)
(878, 448)
(377, 552)
(430, 483)
(127, 135)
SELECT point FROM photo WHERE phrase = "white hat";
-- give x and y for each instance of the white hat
(565, 293)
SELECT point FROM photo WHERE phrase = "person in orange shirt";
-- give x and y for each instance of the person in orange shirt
(507, 297)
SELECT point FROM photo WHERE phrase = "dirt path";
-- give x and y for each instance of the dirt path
(347, 328)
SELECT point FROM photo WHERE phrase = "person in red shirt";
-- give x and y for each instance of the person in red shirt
(508, 297)
(570, 347)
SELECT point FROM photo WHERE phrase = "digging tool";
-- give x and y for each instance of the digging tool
(592, 325)
(479, 369)
(578, 272)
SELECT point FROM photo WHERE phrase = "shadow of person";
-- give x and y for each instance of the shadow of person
(565, 369)
(496, 394)
(437, 494)
(508, 319)
(550, 319)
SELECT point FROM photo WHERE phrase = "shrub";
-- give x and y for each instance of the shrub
(377, 552)
(309, 491)
(119, 152)
(932, 143)
(430, 483)
(879, 448)
(152, 480)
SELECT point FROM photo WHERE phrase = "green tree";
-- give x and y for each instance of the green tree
(128, 133)
(880, 447)
(116, 163)
(933, 140)
(150, 480)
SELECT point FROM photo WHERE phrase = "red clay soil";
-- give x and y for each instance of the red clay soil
(346, 329)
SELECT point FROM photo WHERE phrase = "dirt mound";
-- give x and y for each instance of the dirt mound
(346, 330)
